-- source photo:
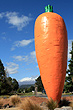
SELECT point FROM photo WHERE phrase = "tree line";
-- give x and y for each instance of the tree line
(7, 84)
(68, 86)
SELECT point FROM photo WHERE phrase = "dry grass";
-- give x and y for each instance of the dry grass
(16, 108)
(1, 102)
(28, 104)
(15, 99)
(71, 105)
(51, 104)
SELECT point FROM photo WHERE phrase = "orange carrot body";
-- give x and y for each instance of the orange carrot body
(51, 51)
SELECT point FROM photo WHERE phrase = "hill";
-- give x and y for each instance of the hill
(26, 86)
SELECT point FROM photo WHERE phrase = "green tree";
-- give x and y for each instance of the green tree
(2, 71)
(20, 90)
(4, 85)
(69, 78)
(2, 77)
(15, 84)
(26, 90)
(7, 84)
(32, 88)
(9, 80)
(39, 84)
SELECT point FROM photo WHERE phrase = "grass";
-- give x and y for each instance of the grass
(66, 93)
(16, 108)
(29, 105)
(15, 99)
(30, 94)
(20, 94)
(1, 102)
(2, 96)
(25, 94)
(51, 104)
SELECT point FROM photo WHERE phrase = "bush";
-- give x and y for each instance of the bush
(29, 105)
(64, 102)
(51, 104)
(15, 99)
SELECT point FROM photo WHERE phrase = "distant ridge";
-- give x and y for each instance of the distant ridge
(26, 86)
(26, 82)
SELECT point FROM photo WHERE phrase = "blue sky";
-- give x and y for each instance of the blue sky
(17, 19)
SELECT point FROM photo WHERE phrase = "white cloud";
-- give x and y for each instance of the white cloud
(69, 48)
(28, 80)
(4, 38)
(15, 20)
(21, 58)
(21, 43)
(12, 67)
(30, 58)
(3, 33)
(2, 15)
(33, 56)
(37, 66)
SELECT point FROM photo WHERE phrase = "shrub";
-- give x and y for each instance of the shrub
(51, 104)
(29, 105)
(15, 99)
(64, 102)
(1, 102)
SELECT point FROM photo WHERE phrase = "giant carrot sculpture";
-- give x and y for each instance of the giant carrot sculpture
(51, 51)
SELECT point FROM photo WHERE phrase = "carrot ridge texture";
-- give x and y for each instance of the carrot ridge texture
(51, 46)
